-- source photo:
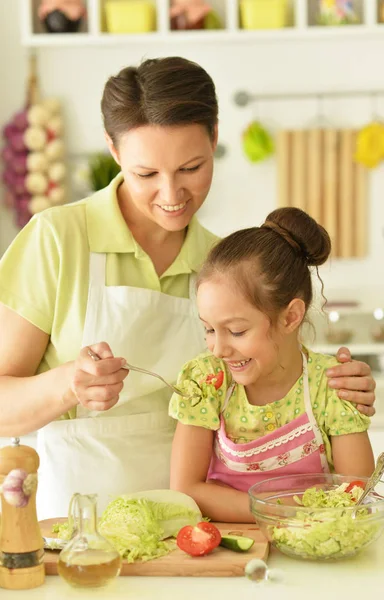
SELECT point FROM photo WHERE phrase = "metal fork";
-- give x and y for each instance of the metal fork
(372, 481)
(129, 367)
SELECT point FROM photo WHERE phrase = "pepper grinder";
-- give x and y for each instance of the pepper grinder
(21, 543)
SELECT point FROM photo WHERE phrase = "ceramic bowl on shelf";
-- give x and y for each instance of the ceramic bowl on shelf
(378, 333)
(263, 14)
(339, 336)
(319, 534)
(132, 16)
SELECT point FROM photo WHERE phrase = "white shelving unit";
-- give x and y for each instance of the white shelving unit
(355, 309)
(303, 26)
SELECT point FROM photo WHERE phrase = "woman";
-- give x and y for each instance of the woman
(115, 272)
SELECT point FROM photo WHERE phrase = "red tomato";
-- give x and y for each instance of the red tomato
(356, 483)
(198, 540)
(215, 378)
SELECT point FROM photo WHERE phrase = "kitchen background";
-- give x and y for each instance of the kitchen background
(319, 76)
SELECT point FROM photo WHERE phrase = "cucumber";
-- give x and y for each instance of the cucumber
(237, 543)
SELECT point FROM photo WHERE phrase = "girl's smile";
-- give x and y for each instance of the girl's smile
(238, 366)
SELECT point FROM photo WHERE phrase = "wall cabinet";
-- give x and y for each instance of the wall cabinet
(301, 22)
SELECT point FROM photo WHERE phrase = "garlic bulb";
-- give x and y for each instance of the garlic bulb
(36, 161)
(54, 150)
(35, 138)
(57, 171)
(56, 195)
(38, 115)
(38, 203)
(55, 124)
(18, 486)
(36, 183)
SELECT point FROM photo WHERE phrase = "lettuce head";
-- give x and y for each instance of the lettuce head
(141, 525)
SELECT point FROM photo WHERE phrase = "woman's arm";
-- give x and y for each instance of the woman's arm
(29, 401)
(191, 455)
(354, 382)
(352, 454)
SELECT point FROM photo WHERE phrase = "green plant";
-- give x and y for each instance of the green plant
(102, 169)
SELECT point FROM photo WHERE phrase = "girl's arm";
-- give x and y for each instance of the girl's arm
(191, 456)
(352, 454)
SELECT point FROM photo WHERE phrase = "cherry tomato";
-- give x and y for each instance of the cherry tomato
(198, 540)
(356, 483)
(215, 378)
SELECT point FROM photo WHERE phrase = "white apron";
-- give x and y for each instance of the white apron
(127, 448)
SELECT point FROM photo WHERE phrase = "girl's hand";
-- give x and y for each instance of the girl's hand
(97, 384)
(354, 381)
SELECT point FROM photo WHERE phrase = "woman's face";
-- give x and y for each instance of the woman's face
(167, 172)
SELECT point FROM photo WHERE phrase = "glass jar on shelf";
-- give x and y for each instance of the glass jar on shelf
(337, 331)
(337, 12)
(377, 331)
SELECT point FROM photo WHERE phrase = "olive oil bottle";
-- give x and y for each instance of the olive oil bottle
(88, 560)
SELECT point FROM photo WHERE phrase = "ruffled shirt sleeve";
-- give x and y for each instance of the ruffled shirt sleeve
(334, 415)
(206, 377)
(342, 417)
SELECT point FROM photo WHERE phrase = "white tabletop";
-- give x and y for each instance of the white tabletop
(358, 578)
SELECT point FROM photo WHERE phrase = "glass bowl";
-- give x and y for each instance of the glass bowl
(315, 533)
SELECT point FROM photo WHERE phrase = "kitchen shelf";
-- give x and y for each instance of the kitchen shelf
(360, 321)
(359, 300)
(355, 348)
(302, 28)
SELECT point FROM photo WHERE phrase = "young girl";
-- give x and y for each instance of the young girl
(262, 405)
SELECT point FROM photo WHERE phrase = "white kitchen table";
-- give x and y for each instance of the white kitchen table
(359, 578)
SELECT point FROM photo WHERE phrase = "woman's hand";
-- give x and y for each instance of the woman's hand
(97, 384)
(354, 381)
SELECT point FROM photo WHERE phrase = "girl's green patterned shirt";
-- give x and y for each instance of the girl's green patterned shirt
(245, 422)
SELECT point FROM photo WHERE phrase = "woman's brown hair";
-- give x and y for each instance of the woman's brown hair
(270, 264)
(163, 91)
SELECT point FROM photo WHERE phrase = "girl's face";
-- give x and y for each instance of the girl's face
(237, 332)
(167, 172)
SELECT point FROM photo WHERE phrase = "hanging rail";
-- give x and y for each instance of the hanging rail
(243, 98)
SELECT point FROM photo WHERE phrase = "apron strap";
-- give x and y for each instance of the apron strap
(228, 395)
(311, 416)
(97, 277)
(192, 294)
(192, 286)
(97, 268)
(307, 394)
(192, 298)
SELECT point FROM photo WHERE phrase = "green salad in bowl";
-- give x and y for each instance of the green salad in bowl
(315, 516)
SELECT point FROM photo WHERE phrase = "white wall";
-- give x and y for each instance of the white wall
(12, 92)
(242, 193)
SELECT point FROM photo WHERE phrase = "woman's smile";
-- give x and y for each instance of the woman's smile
(174, 210)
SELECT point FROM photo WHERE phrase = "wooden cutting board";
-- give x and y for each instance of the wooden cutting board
(220, 563)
